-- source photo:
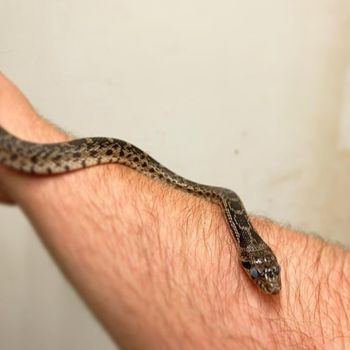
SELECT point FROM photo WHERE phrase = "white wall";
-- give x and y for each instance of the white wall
(244, 94)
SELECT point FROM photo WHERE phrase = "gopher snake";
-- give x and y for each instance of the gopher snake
(255, 255)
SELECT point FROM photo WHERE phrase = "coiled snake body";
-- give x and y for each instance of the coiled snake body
(255, 255)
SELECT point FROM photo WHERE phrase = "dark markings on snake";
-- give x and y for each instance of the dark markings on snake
(256, 237)
(244, 241)
(81, 142)
(241, 220)
(235, 205)
(57, 158)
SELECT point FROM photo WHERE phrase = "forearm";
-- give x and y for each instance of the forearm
(159, 268)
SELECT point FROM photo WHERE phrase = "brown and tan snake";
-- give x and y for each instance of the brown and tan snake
(255, 255)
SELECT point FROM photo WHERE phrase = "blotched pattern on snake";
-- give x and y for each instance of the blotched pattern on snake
(255, 255)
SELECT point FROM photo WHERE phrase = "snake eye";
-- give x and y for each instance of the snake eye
(246, 264)
(254, 273)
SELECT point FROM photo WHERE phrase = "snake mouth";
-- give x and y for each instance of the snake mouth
(270, 287)
(275, 289)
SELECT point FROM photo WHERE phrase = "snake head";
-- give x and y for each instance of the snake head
(264, 270)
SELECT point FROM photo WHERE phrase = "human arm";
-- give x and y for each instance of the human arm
(158, 267)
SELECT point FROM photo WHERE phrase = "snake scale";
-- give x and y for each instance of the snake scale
(255, 256)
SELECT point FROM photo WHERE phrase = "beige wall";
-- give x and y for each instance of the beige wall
(249, 95)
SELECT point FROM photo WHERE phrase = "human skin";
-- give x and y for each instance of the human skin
(158, 267)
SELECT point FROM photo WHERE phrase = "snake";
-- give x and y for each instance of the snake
(255, 256)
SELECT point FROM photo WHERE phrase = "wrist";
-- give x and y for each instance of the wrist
(315, 299)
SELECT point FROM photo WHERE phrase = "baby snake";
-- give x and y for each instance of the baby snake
(255, 255)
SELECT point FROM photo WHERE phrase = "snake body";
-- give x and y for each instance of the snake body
(255, 256)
